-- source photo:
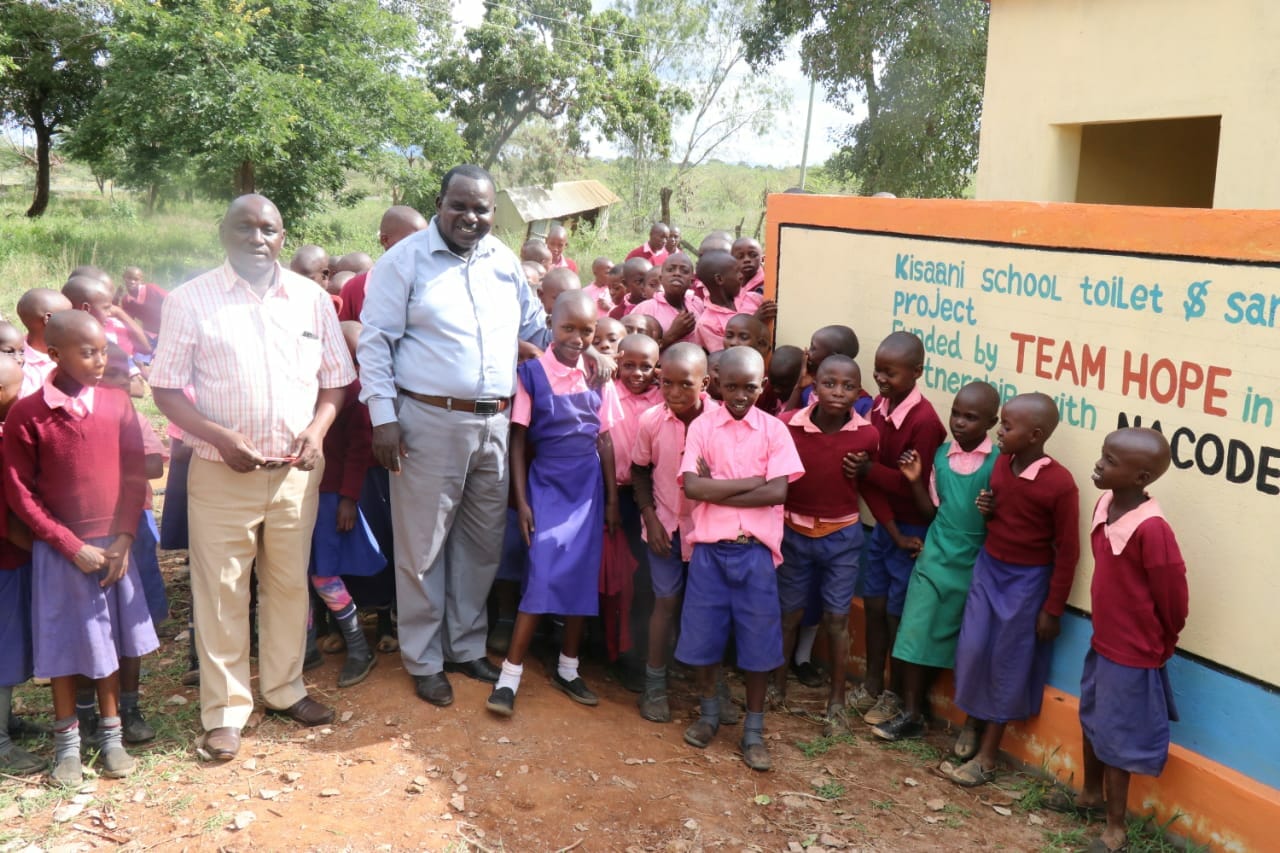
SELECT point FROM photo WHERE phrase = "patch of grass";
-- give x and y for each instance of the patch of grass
(176, 807)
(1148, 836)
(1034, 791)
(953, 822)
(959, 811)
(1064, 840)
(921, 750)
(832, 790)
(215, 822)
(822, 745)
(883, 805)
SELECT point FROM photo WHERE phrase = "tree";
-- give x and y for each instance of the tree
(281, 97)
(694, 45)
(558, 61)
(919, 65)
(49, 74)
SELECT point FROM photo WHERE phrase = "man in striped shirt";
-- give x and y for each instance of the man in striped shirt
(262, 350)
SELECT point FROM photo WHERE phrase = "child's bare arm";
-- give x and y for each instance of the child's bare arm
(154, 466)
(520, 480)
(911, 466)
(986, 503)
(770, 493)
(703, 487)
(612, 518)
(642, 485)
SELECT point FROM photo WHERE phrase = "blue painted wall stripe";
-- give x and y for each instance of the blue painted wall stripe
(1224, 718)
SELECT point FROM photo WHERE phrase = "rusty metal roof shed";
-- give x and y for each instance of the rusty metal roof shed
(564, 198)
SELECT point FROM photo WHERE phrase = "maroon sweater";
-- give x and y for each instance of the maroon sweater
(824, 491)
(921, 431)
(1139, 596)
(348, 447)
(1037, 523)
(11, 556)
(70, 479)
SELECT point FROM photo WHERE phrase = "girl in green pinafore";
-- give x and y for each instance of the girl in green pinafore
(931, 617)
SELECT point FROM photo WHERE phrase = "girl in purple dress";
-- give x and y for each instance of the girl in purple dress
(565, 493)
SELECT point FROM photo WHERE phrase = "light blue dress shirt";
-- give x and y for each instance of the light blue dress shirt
(436, 323)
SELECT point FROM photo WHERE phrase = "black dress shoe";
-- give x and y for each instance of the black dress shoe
(434, 689)
(502, 701)
(480, 669)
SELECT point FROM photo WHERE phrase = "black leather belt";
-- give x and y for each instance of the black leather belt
(490, 406)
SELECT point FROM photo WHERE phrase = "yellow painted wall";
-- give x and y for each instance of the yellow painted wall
(1053, 65)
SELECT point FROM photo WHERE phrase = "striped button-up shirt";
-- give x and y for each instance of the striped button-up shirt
(254, 364)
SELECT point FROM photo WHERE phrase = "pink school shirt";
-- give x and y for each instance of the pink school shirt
(565, 262)
(646, 252)
(564, 379)
(759, 445)
(962, 462)
(660, 441)
(756, 284)
(625, 430)
(709, 332)
(118, 334)
(664, 312)
(597, 293)
(36, 367)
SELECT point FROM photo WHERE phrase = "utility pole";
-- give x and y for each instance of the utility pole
(808, 125)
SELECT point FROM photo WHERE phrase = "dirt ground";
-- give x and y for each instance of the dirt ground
(394, 773)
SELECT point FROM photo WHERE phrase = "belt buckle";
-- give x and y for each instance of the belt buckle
(488, 407)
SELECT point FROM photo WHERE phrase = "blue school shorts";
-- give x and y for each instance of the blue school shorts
(668, 573)
(830, 562)
(888, 569)
(734, 585)
(1125, 713)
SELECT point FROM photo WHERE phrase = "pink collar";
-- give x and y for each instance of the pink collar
(1032, 470)
(555, 369)
(1122, 529)
(903, 409)
(804, 419)
(79, 406)
(983, 449)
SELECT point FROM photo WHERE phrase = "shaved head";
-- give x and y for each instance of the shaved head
(81, 289)
(1039, 409)
(356, 262)
(904, 347)
(684, 353)
(399, 222)
(640, 344)
(1146, 448)
(742, 358)
(571, 302)
(840, 339)
(982, 396)
(37, 303)
(712, 264)
(71, 328)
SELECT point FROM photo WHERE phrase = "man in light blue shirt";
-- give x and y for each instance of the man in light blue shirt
(443, 316)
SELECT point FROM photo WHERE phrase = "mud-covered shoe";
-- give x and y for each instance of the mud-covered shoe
(860, 701)
(700, 734)
(67, 771)
(756, 756)
(886, 708)
(115, 763)
(836, 722)
(654, 706)
(16, 761)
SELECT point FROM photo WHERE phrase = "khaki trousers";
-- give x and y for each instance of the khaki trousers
(236, 520)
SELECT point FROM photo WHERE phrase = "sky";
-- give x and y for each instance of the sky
(781, 146)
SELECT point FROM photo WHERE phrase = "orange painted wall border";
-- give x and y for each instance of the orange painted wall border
(1214, 805)
(1248, 235)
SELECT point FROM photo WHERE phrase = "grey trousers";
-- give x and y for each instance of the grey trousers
(448, 511)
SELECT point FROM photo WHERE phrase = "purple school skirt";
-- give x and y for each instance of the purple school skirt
(1001, 668)
(79, 628)
(15, 625)
(1125, 712)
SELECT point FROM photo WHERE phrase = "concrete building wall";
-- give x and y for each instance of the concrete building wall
(1056, 66)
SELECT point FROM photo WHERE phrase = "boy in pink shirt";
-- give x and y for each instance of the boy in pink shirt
(736, 466)
(750, 258)
(725, 300)
(633, 273)
(655, 471)
(673, 306)
(565, 494)
(557, 240)
(598, 289)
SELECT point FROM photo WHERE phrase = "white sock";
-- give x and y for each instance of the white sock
(510, 676)
(568, 668)
(804, 643)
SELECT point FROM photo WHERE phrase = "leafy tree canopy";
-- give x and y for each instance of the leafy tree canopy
(918, 64)
(557, 61)
(273, 96)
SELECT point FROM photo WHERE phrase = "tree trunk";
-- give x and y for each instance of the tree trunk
(44, 139)
(153, 193)
(244, 178)
(666, 205)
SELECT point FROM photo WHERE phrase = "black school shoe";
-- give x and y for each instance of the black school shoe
(901, 727)
(136, 728)
(808, 674)
(502, 701)
(577, 689)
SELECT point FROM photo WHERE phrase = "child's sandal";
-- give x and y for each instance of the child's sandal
(971, 774)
